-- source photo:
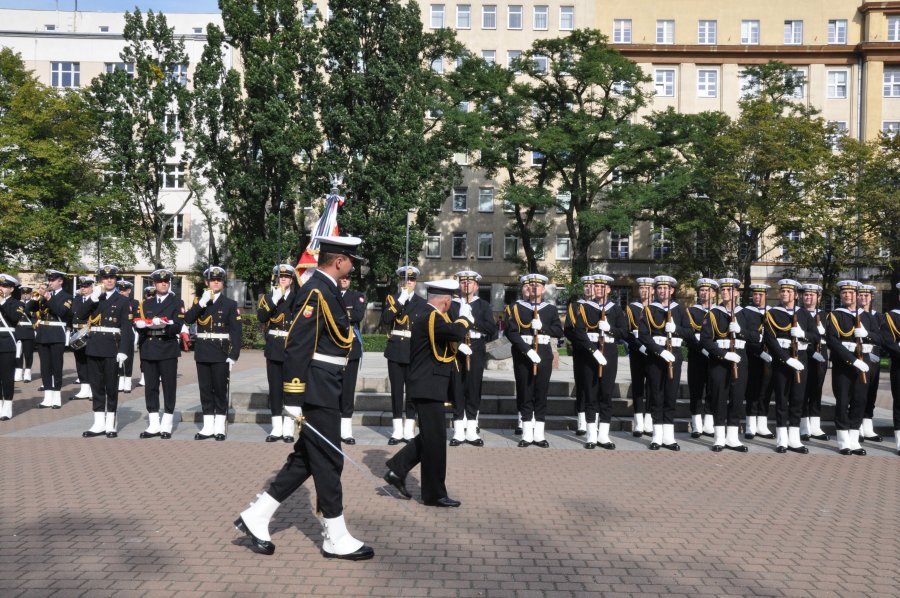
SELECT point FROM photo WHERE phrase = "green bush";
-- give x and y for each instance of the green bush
(252, 334)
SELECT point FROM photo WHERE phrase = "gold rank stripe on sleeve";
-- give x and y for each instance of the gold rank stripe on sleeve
(445, 358)
(840, 332)
(295, 386)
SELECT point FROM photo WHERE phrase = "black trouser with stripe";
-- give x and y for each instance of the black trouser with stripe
(103, 374)
(51, 356)
(275, 376)
(165, 370)
(213, 381)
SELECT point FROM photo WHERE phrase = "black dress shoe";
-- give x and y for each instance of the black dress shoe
(739, 448)
(41, 388)
(199, 436)
(580, 432)
(590, 445)
(288, 439)
(220, 437)
(4, 418)
(476, 442)
(875, 438)
(443, 502)
(861, 452)
(749, 436)
(542, 444)
(717, 448)
(636, 433)
(350, 440)
(769, 436)
(799, 449)
(845, 451)
(696, 434)
(397, 482)
(165, 435)
(780, 449)
(654, 446)
(271, 438)
(112, 434)
(455, 442)
(518, 431)
(393, 441)
(610, 446)
(149, 434)
(56, 407)
(363, 554)
(804, 438)
(89, 434)
(523, 444)
(672, 447)
(708, 435)
(257, 545)
(648, 432)
(819, 436)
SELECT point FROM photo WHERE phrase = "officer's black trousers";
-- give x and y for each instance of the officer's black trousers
(815, 380)
(128, 369)
(397, 377)
(213, 381)
(759, 386)
(663, 390)
(166, 371)
(429, 448)
(313, 456)
(468, 401)
(7, 375)
(580, 376)
(873, 378)
(637, 362)
(26, 360)
(103, 374)
(275, 375)
(607, 383)
(533, 388)
(849, 396)
(726, 393)
(788, 393)
(81, 367)
(51, 365)
(697, 377)
(895, 389)
(348, 387)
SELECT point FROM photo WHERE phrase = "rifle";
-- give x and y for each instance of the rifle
(535, 316)
(795, 353)
(468, 340)
(859, 343)
(669, 341)
(734, 366)
(602, 339)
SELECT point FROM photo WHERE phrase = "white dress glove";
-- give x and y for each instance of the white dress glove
(860, 332)
(670, 326)
(599, 357)
(230, 362)
(293, 410)
(734, 327)
(204, 298)
(604, 326)
(277, 295)
(404, 297)
(861, 365)
(464, 349)
(820, 329)
(140, 324)
(465, 311)
(795, 363)
(533, 356)
(874, 358)
(733, 357)
(536, 325)
(765, 357)
(95, 294)
(668, 356)
(797, 332)
(121, 358)
(157, 323)
(819, 357)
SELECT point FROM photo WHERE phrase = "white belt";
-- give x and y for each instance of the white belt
(24, 323)
(7, 329)
(282, 333)
(107, 329)
(403, 333)
(661, 341)
(45, 323)
(866, 348)
(213, 336)
(595, 337)
(785, 343)
(726, 344)
(474, 334)
(79, 326)
(341, 361)
(543, 339)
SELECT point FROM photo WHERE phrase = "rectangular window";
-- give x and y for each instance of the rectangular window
(173, 124)
(128, 67)
(437, 16)
(837, 85)
(510, 247)
(489, 16)
(840, 131)
(537, 245)
(104, 29)
(433, 246)
(464, 16)
(566, 18)
(437, 65)
(489, 56)
(485, 246)
(893, 29)
(541, 18)
(618, 246)
(892, 83)
(460, 199)
(621, 88)
(173, 176)
(537, 158)
(486, 199)
(792, 237)
(49, 27)
(176, 227)
(309, 17)
(707, 84)
(178, 73)
(665, 82)
(622, 31)
(459, 246)
(563, 248)
(837, 31)
(749, 86)
(706, 32)
(541, 64)
(799, 82)
(665, 32)
(662, 243)
(563, 201)
(890, 127)
(750, 33)
(512, 55)
(64, 75)
(514, 17)
(793, 33)
(199, 30)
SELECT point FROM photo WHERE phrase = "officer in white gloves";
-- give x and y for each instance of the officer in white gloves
(110, 344)
(531, 326)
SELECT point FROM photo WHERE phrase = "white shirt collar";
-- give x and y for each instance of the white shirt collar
(328, 277)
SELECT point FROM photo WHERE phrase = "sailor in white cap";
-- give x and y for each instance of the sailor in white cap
(787, 332)
(759, 374)
(845, 331)
(428, 383)
(581, 368)
(400, 312)
(637, 359)
(698, 366)
(83, 295)
(817, 367)
(25, 334)
(316, 352)
(531, 326)
(876, 328)
(890, 341)
(125, 288)
(11, 312)
(53, 311)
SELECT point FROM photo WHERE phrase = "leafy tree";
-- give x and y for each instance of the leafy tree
(878, 213)
(48, 181)
(142, 113)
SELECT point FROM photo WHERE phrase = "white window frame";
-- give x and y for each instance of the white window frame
(463, 16)
(60, 70)
(429, 241)
(437, 65)
(460, 192)
(485, 199)
(537, 158)
(173, 177)
(510, 253)
(179, 73)
(541, 63)
(890, 128)
(800, 91)
(436, 16)
(750, 32)
(837, 31)
(128, 67)
(619, 246)
(563, 249)
(537, 246)
(842, 129)
(511, 11)
(743, 80)
(566, 18)
(173, 119)
(893, 32)
(662, 245)
(891, 86)
(176, 227)
(457, 236)
(664, 85)
(485, 240)
(706, 32)
(512, 55)
(793, 32)
(489, 56)
(621, 88)
(707, 83)
(563, 202)
(793, 236)
(622, 31)
(665, 32)
(489, 13)
(835, 88)
(541, 12)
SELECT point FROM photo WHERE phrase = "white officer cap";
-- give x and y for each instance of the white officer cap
(665, 279)
(645, 281)
(603, 279)
(51, 274)
(866, 288)
(214, 273)
(410, 272)
(728, 282)
(811, 287)
(587, 279)
(444, 286)
(788, 283)
(468, 275)
(707, 282)
(7, 280)
(759, 287)
(283, 269)
(339, 245)
(84, 281)
(534, 277)
(847, 285)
